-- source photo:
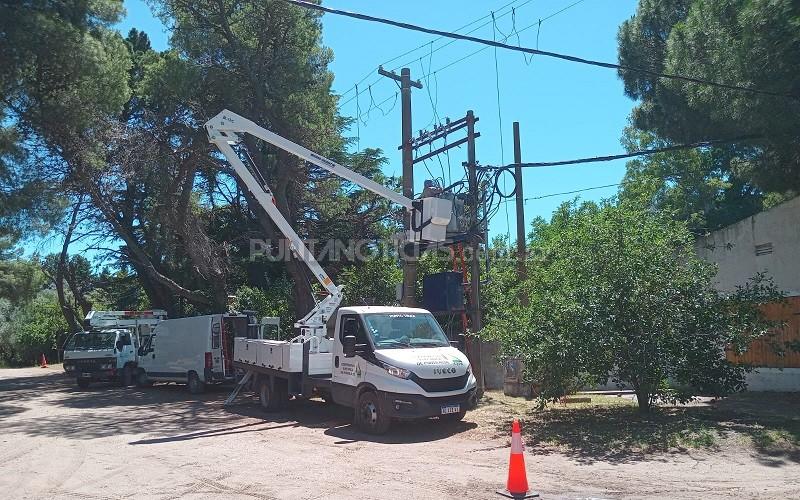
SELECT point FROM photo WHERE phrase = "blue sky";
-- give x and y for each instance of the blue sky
(565, 110)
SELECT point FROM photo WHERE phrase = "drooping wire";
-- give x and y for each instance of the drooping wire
(377, 80)
(358, 119)
(500, 117)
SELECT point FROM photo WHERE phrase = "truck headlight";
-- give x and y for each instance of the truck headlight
(397, 372)
(106, 366)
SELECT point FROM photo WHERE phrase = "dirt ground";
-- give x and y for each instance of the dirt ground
(105, 442)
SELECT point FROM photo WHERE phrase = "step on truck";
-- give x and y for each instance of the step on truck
(107, 351)
(385, 362)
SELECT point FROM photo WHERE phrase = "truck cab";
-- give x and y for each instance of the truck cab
(397, 363)
(100, 355)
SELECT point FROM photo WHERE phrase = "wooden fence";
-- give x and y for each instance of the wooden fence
(762, 352)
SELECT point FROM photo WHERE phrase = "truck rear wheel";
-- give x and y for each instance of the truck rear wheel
(370, 417)
(272, 399)
(83, 383)
(194, 384)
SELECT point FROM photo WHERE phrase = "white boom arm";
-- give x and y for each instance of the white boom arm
(430, 216)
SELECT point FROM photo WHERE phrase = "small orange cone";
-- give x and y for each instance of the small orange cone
(517, 484)
(43, 363)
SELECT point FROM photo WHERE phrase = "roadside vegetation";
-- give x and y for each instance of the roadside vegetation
(611, 428)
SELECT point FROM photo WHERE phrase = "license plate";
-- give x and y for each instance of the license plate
(446, 410)
(86, 375)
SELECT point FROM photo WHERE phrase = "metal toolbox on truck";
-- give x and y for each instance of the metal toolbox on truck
(280, 355)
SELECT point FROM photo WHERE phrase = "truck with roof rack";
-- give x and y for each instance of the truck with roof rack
(107, 350)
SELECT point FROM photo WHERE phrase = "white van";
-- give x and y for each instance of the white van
(195, 351)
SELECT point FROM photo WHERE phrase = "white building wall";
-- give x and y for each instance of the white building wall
(775, 232)
(767, 242)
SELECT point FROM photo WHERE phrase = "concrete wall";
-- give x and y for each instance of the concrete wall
(767, 242)
(776, 235)
(774, 379)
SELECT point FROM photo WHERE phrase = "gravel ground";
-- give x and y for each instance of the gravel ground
(61, 442)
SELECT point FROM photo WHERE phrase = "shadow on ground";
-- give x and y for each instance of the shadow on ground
(619, 433)
(168, 413)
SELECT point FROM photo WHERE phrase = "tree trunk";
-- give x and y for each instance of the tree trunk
(61, 267)
(643, 398)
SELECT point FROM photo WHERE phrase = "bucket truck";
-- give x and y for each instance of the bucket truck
(108, 351)
(385, 362)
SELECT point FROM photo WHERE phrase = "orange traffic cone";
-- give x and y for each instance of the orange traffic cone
(517, 485)
(43, 363)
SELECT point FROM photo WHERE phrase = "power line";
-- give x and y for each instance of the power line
(550, 195)
(645, 152)
(515, 32)
(566, 57)
(411, 51)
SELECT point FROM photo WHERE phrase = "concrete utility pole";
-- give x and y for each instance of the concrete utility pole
(520, 205)
(473, 344)
(409, 261)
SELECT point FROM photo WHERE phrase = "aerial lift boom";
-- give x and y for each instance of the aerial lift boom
(430, 216)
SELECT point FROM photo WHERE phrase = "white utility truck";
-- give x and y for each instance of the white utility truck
(385, 362)
(197, 350)
(108, 351)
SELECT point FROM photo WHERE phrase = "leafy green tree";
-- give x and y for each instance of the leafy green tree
(270, 301)
(265, 60)
(617, 292)
(750, 43)
(371, 282)
(696, 186)
(20, 281)
(32, 329)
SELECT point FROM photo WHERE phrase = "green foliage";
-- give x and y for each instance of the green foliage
(751, 43)
(617, 292)
(33, 329)
(696, 186)
(20, 281)
(373, 281)
(273, 301)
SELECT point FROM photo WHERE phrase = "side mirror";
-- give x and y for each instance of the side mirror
(349, 346)
(455, 343)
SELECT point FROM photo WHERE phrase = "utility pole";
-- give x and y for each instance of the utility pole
(409, 261)
(473, 343)
(520, 206)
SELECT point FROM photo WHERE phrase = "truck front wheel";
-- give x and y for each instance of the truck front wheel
(141, 378)
(370, 417)
(194, 384)
(126, 378)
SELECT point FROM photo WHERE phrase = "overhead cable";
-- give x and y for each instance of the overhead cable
(566, 57)
(645, 152)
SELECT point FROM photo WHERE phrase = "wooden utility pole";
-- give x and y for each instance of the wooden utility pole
(520, 204)
(409, 261)
(473, 343)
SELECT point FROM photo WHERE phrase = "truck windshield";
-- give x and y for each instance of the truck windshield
(404, 330)
(86, 341)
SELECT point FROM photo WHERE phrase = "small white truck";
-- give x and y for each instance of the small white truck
(108, 350)
(386, 362)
